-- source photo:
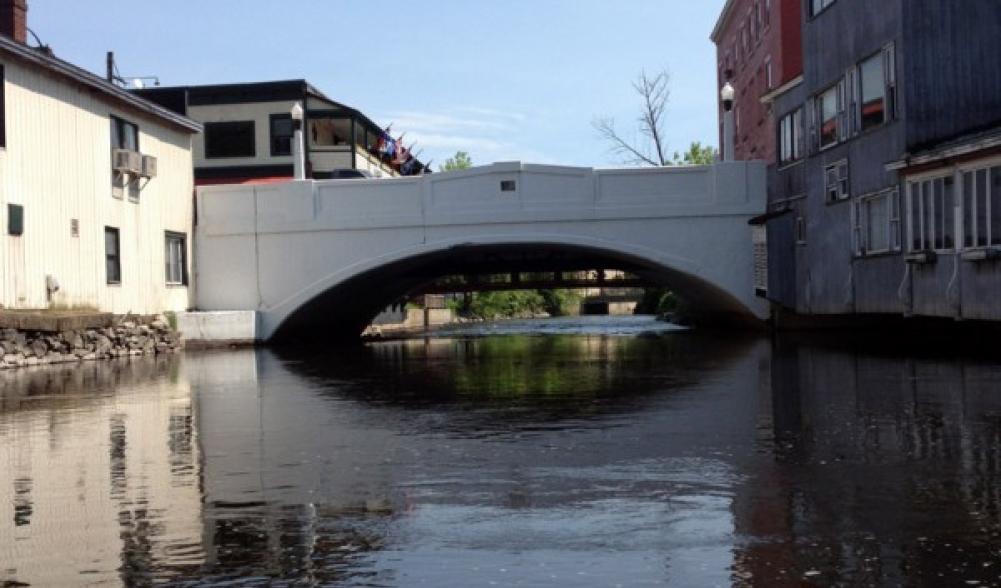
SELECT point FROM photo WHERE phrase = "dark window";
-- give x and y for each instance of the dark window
(230, 139)
(124, 135)
(3, 124)
(112, 255)
(15, 220)
(818, 6)
(281, 134)
(176, 257)
(791, 137)
(873, 91)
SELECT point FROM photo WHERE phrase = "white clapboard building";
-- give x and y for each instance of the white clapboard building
(96, 187)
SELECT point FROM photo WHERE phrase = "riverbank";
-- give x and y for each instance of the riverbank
(47, 341)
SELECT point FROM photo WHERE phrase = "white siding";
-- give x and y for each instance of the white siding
(57, 164)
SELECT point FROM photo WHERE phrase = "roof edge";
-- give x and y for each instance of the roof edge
(78, 74)
(724, 16)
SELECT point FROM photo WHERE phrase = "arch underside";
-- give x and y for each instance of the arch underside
(345, 309)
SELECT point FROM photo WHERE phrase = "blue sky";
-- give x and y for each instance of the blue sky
(503, 80)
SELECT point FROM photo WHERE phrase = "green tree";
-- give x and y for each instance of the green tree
(697, 154)
(461, 160)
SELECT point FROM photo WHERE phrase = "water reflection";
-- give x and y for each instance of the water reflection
(584, 459)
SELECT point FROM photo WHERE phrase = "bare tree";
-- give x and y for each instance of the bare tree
(654, 94)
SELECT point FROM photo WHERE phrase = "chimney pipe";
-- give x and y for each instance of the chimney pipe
(14, 20)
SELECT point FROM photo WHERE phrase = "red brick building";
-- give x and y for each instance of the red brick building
(758, 50)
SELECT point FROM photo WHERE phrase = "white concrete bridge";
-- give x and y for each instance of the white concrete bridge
(322, 258)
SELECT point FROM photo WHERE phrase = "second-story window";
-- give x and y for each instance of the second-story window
(873, 92)
(827, 114)
(281, 135)
(124, 135)
(791, 137)
(230, 139)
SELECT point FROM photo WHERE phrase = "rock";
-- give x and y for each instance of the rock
(8, 346)
(127, 325)
(80, 353)
(102, 345)
(143, 330)
(39, 348)
(8, 334)
(12, 359)
(160, 325)
(162, 348)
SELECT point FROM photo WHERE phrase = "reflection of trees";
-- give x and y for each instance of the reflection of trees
(886, 469)
(497, 381)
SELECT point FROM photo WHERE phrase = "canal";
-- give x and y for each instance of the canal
(568, 452)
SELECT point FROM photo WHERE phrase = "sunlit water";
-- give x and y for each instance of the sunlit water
(609, 454)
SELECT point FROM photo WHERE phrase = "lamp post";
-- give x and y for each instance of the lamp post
(727, 94)
(298, 149)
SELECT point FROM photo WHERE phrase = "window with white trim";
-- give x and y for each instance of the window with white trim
(931, 214)
(836, 183)
(791, 137)
(826, 106)
(873, 89)
(982, 207)
(877, 223)
(175, 257)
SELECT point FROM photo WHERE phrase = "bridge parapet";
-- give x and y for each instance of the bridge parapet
(495, 194)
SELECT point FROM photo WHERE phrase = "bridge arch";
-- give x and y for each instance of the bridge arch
(325, 256)
(343, 303)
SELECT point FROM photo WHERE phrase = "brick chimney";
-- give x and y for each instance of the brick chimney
(14, 19)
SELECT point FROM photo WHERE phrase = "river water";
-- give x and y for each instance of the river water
(572, 452)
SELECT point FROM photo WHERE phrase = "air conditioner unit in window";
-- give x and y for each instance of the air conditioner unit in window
(148, 166)
(126, 162)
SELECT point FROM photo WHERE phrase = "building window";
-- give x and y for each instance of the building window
(769, 80)
(281, 135)
(877, 223)
(818, 6)
(230, 139)
(827, 114)
(768, 12)
(800, 230)
(931, 214)
(329, 131)
(112, 255)
(791, 137)
(890, 77)
(873, 91)
(3, 122)
(125, 137)
(982, 207)
(176, 254)
(836, 181)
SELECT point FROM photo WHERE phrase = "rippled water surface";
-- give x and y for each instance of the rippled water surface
(586, 452)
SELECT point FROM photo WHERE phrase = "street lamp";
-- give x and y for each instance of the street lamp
(727, 95)
(298, 149)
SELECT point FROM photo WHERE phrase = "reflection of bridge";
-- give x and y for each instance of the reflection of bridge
(324, 257)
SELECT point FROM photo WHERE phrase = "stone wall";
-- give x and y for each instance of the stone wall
(125, 338)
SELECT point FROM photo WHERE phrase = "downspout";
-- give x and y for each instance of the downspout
(905, 293)
(953, 293)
